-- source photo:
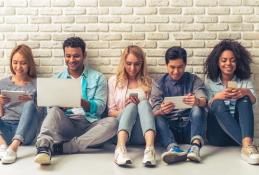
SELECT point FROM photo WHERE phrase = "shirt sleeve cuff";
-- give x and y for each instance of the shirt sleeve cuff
(93, 107)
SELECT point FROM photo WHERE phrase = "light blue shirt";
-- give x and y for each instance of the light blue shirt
(94, 90)
(218, 86)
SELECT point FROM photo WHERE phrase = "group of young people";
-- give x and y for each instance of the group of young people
(220, 114)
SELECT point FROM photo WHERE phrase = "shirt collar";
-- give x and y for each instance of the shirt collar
(219, 81)
(174, 82)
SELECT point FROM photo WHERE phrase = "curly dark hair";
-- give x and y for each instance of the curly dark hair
(243, 60)
(74, 42)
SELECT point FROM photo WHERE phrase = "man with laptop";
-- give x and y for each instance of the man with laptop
(178, 100)
(68, 129)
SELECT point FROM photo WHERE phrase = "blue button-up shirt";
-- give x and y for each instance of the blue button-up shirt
(214, 87)
(166, 87)
(94, 90)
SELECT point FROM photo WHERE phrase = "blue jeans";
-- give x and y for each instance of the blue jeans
(170, 131)
(24, 129)
(137, 120)
(224, 129)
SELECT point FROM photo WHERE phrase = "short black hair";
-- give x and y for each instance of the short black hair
(74, 42)
(174, 53)
(243, 60)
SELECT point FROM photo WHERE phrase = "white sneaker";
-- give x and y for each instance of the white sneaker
(3, 148)
(121, 157)
(194, 154)
(250, 154)
(9, 157)
(149, 159)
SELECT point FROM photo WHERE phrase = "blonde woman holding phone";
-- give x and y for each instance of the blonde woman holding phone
(129, 92)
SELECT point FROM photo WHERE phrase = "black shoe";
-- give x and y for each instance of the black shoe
(43, 156)
(58, 148)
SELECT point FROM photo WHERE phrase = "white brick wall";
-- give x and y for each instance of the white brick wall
(108, 26)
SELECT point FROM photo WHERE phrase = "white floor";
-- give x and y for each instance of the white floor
(225, 161)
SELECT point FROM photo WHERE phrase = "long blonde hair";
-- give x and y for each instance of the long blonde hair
(143, 78)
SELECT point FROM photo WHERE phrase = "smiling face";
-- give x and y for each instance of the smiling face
(74, 58)
(133, 66)
(176, 68)
(20, 65)
(227, 63)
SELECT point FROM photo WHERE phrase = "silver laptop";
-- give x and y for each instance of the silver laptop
(58, 92)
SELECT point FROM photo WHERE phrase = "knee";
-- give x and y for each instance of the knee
(54, 110)
(29, 104)
(197, 111)
(131, 107)
(244, 100)
(160, 122)
(112, 123)
(143, 103)
(217, 105)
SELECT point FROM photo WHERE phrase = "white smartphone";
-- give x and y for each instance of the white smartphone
(13, 95)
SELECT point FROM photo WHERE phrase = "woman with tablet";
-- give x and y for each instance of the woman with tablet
(129, 91)
(232, 95)
(19, 116)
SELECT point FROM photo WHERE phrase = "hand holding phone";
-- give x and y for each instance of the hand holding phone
(133, 98)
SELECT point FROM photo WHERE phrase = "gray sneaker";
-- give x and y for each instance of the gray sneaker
(175, 154)
(194, 153)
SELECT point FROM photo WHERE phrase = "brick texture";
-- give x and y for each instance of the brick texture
(108, 26)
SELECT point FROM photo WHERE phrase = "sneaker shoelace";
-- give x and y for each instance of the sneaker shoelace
(124, 152)
(176, 149)
(252, 149)
(150, 152)
(194, 149)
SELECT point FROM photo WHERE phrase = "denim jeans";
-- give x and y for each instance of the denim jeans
(137, 120)
(224, 129)
(170, 131)
(24, 129)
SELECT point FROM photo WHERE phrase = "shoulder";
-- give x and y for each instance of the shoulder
(5, 81)
(95, 73)
(162, 79)
(95, 76)
(112, 79)
(60, 74)
(245, 82)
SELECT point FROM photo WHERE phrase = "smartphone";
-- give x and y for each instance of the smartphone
(133, 94)
(232, 84)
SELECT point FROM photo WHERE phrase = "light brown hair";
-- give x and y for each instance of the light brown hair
(26, 52)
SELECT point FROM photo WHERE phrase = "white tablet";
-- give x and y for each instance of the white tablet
(178, 102)
(13, 95)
